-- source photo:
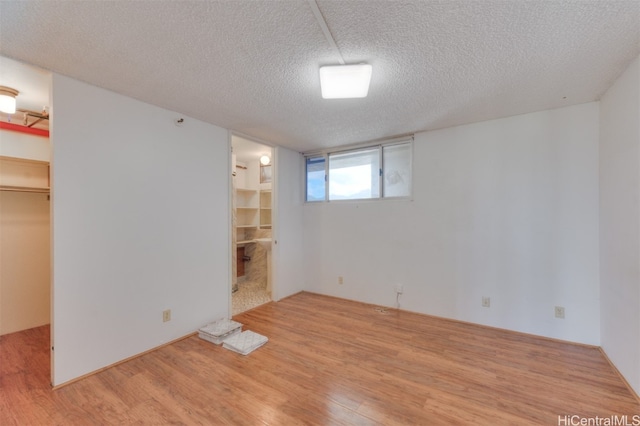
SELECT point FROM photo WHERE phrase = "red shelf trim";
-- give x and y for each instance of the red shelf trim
(24, 129)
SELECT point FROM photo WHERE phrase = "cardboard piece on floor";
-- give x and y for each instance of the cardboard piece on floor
(244, 343)
(219, 330)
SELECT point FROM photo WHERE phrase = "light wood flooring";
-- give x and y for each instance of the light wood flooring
(328, 362)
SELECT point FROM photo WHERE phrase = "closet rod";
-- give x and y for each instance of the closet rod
(24, 189)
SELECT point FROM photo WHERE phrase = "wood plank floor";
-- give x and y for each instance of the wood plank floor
(328, 361)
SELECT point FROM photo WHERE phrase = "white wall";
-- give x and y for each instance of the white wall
(287, 253)
(506, 209)
(140, 224)
(620, 223)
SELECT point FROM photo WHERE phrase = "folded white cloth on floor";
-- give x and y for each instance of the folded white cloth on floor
(217, 331)
(220, 327)
(244, 343)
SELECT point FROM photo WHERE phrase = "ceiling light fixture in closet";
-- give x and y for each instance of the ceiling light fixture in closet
(8, 99)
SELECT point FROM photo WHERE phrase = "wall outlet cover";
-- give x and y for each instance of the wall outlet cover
(166, 315)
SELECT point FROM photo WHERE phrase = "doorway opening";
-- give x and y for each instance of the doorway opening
(25, 220)
(252, 187)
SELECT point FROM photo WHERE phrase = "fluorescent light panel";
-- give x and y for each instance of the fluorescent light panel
(345, 81)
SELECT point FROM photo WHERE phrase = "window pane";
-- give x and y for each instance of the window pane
(315, 179)
(354, 175)
(396, 160)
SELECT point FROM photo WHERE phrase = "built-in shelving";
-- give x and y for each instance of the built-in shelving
(247, 208)
(23, 189)
(24, 175)
(247, 198)
(265, 208)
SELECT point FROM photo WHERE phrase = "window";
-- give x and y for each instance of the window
(316, 179)
(354, 175)
(371, 172)
(396, 181)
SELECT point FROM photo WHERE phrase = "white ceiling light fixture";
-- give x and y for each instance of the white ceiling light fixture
(265, 160)
(340, 81)
(8, 99)
(345, 81)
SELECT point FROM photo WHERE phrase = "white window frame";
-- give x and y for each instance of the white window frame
(354, 148)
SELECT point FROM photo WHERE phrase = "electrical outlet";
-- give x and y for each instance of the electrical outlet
(399, 288)
(166, 315)
(559, 311)
(486, 302)
(340, 280)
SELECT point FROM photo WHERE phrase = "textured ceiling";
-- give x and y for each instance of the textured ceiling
(252, 66)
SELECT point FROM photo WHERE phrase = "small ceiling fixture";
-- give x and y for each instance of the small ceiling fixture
(8, 99)
(345, 81)
(265, 160)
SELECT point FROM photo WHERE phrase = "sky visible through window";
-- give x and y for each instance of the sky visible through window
(315, 186)
(350, 182)
(315, 179)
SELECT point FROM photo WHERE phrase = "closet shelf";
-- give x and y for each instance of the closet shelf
(24, 189)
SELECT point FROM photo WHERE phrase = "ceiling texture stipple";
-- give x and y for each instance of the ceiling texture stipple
(252, 66)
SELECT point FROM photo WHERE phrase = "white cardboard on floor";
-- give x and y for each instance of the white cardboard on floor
(219, 330)
(229, 334)
(244, 343)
